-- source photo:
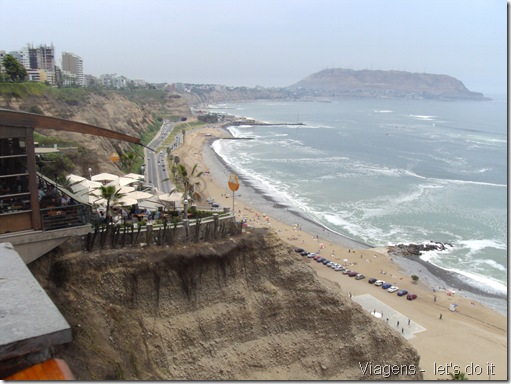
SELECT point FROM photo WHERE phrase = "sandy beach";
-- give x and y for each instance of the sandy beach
(473, 338)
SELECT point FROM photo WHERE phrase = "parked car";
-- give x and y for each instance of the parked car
(311, 255)
(346, 271)
(402, 292)
(386, 285)
(339, 268)
(379, 283)
(393, 289)
(320, 259)
(325, 261)
(359, 277)
(372, 280)
(352, 274)
(316, 257)
(299, 250)
(411, 296)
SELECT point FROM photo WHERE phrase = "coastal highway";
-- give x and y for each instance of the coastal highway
(155, 167)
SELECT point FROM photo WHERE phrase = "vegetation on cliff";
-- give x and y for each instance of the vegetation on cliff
(136, 112)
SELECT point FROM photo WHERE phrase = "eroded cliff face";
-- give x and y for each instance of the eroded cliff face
(246, 308)
(107, 110)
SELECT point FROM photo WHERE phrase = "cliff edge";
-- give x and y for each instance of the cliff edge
(245, 308)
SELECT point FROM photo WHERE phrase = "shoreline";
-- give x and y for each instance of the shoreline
(480, 330)
(431, 275)
(282, 212)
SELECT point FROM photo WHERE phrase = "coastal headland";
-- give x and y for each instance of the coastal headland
(472, 338)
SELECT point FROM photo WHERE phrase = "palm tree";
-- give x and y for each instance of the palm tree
(112, 195)
(128, 159)
(186, 181)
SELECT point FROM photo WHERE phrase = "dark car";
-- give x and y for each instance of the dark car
(320, 259)
(386, 285)
(325, 261)
(352, 274)
(317, 257)
(411, 296)
(299, 250)
(372, 280)
(402, 292)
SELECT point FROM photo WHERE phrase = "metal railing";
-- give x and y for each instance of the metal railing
(65, 217)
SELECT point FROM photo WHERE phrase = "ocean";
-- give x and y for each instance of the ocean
(387, 171)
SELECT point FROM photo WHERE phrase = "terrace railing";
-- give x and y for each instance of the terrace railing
(65, 216)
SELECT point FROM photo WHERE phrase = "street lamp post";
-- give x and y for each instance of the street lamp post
(185, 203)
(185, 218)
(142, 169)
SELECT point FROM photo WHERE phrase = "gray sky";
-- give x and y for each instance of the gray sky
(267, 42)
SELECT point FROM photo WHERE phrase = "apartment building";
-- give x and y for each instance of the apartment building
(72, 69)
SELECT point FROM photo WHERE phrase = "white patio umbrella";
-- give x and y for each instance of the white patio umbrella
(149, 204)
(125, 201)
(104, 177)
(124, 181)
(84, 184)
(96, 200)
(135, 176)
(73, 179)
(139, 195)
(125, 189)
(173, 197)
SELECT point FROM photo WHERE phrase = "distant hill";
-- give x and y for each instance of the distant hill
(337, 82)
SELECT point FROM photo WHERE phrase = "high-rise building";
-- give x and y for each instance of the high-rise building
(72, 66)
(42, 57)
(22, 57)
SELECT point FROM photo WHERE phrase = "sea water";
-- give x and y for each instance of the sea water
(387, 171)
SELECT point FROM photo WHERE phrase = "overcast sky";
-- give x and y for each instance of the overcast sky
(267, 42)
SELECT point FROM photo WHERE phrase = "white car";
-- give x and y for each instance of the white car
(393, 289)
(379, 283)
(339, 268)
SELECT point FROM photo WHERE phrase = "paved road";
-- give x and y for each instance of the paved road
(155, 169)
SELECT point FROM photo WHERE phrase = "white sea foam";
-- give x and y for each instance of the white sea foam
(476, 246)
(375, 196)
(484, 283)
(423, 117)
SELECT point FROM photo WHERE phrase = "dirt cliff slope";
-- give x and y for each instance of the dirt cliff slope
(105, 109)
(246, 308)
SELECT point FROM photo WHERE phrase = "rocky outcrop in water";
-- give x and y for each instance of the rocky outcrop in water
(417, 249)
